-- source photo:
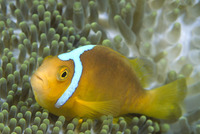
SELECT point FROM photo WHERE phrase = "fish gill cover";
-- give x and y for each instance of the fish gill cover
(164, 31)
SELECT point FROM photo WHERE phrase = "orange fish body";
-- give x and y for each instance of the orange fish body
(91, 81)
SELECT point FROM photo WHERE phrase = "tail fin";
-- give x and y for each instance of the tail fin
(165, 100)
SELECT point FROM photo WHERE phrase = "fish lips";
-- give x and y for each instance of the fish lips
(37, 83)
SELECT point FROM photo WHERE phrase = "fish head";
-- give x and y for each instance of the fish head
(51, 80)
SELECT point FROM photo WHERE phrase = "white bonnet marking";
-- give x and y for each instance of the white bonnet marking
(78, 68)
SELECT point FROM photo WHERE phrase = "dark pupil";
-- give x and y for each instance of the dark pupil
(64, 74)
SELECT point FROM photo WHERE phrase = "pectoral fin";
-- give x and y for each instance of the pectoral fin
(94, 109)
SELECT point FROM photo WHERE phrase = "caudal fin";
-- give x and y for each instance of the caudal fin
(165, 101)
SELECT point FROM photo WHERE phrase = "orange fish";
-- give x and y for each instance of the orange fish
(92, 81)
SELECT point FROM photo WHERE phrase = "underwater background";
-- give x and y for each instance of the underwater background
(166, 32)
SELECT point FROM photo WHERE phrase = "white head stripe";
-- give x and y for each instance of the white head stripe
(78, 68)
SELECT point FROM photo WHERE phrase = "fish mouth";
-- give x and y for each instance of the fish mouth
(37, 82)
(38, 77)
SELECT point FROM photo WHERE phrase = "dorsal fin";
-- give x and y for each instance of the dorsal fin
(144, 69)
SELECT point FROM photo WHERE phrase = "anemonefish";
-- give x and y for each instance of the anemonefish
(94, 80)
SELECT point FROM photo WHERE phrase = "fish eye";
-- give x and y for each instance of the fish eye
(63, 73)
